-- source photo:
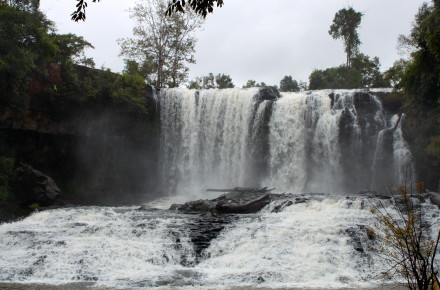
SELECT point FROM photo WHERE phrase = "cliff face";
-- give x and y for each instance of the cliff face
(98, 152)
(417, 130)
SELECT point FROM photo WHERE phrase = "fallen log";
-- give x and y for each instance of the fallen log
(241, 189)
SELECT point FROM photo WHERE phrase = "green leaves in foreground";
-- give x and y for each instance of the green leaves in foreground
(405, 240)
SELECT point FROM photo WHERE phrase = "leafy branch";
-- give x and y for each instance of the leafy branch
(406, 243)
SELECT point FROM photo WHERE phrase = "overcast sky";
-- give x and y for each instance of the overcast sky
(252, 39)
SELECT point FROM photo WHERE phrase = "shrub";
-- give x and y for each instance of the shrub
(405, 239)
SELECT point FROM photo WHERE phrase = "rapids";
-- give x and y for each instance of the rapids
(322, 242)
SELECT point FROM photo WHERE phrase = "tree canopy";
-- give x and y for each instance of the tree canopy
(162, 45)
(253, 84)
(345, 26)
(28, 45)
(220, 81)
(288, 84)
(364, 73)
(421, 79)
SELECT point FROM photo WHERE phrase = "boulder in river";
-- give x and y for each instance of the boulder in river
(239, 200)
(33, 186)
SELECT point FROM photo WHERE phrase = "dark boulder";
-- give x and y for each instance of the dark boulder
(196, 206)
(235, 202)
(33, 186)
(236, 206)
(268, 93)
(365, 104)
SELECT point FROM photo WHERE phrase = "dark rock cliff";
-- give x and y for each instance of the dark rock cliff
(98, 152)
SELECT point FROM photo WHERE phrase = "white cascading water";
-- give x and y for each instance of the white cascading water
(403, 167)
(205, 137)
(304, 133)
(316, 141)
(321, 242)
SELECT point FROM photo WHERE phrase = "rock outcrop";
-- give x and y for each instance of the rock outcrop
(268, 93)
(35, 187)
(237, 201)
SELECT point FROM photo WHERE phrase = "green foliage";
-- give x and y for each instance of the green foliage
(130, 89)
(163, 45)
(421, 79)
(224, 81)
(369, 70)
(394, 74)
(363, 73)
(287, 84)
(253, 84)
(220, 81)
(405, 240)
(145, 69)
(194, 85)
(341, 77)
(25, 45)
(70, 46)
(345, 26)
(24, 5)
(29, 51)
(360, 70)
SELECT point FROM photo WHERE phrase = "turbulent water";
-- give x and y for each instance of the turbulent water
(319, 241)
(338, 142)
(318, 141)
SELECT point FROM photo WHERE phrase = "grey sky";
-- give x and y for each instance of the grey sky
(253, 39)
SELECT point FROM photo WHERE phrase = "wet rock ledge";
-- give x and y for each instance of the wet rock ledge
(239, 200)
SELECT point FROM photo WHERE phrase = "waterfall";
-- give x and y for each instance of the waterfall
(336, 141)
(206, 136)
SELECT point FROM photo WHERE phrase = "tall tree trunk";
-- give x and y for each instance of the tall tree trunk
(159, 71)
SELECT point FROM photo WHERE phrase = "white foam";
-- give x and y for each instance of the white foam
(307, 244)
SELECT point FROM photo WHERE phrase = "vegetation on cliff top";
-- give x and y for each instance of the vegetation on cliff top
(39, 63)
(360, 71)
(163, 45)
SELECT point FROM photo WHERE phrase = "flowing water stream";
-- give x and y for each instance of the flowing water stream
(319, 241)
